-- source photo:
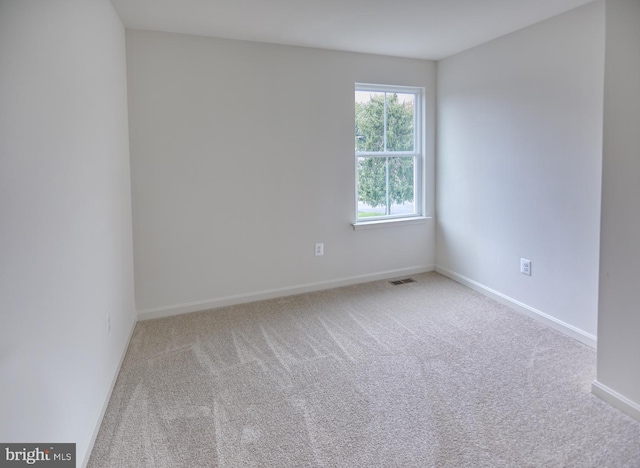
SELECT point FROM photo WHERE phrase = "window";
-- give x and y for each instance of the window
(389, 156)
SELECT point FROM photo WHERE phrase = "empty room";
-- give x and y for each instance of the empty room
(308, 233)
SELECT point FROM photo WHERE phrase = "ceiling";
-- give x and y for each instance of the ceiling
(425, 29)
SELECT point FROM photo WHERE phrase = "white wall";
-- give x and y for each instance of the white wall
(65, 217)
(519, 167)
(619, 318)
(242, 158)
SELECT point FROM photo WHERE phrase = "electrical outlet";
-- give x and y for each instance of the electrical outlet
(319, 249)
(525, 266)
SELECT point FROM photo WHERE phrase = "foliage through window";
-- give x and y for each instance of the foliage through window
(388, 151)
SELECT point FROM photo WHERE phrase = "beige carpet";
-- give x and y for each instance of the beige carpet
(426, 374)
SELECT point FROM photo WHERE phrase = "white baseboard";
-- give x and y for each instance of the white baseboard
(105, 404)
(567, 329)
(616, 400)
(177, 309)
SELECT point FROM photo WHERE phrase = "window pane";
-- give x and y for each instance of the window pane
(385, 186)
(400, 119)
(372, 187)
(401, 190)
(369, 121)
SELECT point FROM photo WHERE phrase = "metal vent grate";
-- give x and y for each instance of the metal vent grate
(402, 281)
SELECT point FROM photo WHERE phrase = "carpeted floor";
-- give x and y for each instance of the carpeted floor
(425, 374)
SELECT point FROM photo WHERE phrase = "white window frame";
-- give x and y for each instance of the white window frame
(418, 155)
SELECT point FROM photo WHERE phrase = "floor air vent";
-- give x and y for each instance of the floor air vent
(402, 281)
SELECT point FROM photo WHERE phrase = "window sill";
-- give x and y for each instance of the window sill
(384, 223)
